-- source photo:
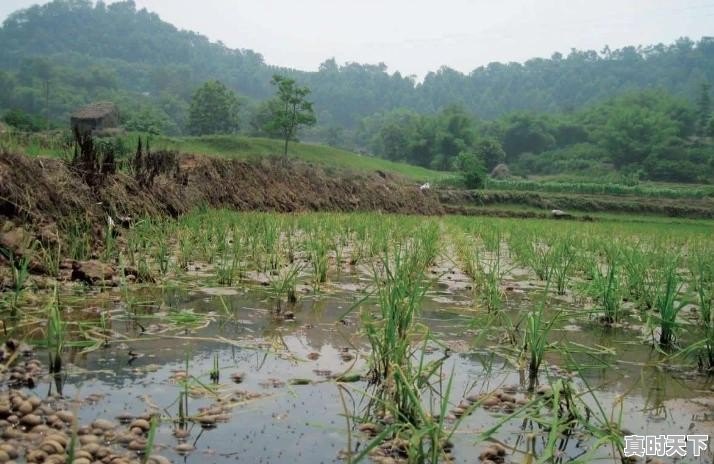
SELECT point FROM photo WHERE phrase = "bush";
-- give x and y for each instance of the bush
(472, 169)
(23, 121)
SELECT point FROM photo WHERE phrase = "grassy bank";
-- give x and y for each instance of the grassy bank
(58, 144)
(604, 188)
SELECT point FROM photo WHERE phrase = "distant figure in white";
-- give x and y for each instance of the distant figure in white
(426, 186)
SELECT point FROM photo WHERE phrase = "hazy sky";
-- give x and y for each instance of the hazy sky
(417, 36)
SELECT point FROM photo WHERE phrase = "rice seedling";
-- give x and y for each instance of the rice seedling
(282, 286)
(78, 231)
(702, 278)
(535, 341)
(399, 371)
(228, 262)
(666, 303)
(55, 333)
(564, 256)
(318, 247)
(606, 287)
(492, 273)
(150, 438)
(639, 266)
(162, 255)
(537, 253)
(20, 271)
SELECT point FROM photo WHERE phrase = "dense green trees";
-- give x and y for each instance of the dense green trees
(577, 112)
(129, 55)
(214, 110)
(648, 134)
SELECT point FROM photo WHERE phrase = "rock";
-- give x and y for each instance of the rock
(103, 424)
(31, 420)
(137, 445)
(142, 424)
(25, 408)
(184, 448)
(65, 416)
(18, 241)
(93, 272)
(157, 459)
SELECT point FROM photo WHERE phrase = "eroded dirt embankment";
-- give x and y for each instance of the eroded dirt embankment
(41, 191)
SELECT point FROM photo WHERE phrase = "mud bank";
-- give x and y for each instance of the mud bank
(42, 191)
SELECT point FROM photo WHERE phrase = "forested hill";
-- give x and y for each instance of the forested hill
(131, 56)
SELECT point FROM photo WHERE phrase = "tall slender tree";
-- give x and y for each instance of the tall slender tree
(289, 109)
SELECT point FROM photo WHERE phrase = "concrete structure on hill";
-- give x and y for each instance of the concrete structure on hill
(95, 117)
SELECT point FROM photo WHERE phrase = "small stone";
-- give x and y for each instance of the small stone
(31, 420)
(142, 424)
(184, 448)
(103, 424)
(65, 416)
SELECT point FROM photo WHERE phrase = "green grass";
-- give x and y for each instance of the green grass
(595, 188)
(241, 147)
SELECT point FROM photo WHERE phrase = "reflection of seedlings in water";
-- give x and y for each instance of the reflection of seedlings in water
(272, 383)
(215, 373)
(299, 382)
(282, 286)
(346, 356)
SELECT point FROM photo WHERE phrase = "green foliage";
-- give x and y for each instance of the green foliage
(472, 169)
(23, 121)
(150, 120)
(289, 110)
(491, 152)
(214, 110)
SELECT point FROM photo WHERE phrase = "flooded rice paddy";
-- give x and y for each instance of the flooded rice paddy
(275, 362)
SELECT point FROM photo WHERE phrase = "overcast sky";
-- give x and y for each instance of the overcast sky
(417, 36)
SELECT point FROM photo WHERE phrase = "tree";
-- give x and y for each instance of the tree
(148, 120)
(491, 152)
(472, 169)
(289, 109)
(213, 110)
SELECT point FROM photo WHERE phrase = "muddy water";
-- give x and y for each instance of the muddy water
(281, 420)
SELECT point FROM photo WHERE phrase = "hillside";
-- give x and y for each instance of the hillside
(132, 56)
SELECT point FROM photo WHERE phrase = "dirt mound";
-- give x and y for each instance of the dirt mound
(42, 191)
